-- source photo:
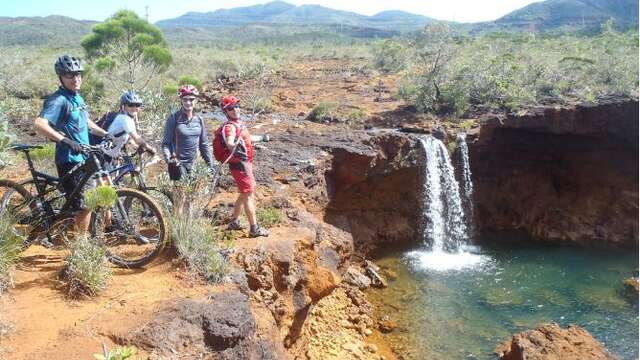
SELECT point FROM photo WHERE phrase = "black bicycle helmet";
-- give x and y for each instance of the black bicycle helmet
(130, 98)
(68, 64)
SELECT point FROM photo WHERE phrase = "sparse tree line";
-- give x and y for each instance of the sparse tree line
(445, 73)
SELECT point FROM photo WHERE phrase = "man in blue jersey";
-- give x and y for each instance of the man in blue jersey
(64, 120)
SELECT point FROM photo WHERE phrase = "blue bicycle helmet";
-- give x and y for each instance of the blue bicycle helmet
(130, 98)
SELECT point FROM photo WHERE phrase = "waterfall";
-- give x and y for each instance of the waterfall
(467, 184)
(445, 227)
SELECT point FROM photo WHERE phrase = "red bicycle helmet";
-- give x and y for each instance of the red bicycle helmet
(188, 90)
(229, 102)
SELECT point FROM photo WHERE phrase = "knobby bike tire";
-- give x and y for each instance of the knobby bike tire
(161, 196)
(17, 203)
(123, 248)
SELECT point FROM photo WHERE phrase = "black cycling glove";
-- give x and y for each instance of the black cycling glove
(72, 144)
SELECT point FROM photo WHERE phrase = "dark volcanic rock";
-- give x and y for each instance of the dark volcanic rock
(562, 175)
(223, 327)
(550, 342)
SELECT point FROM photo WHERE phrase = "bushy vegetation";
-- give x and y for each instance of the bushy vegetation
(10, 248)
(86, 272)
(119, 353)
(268, 216)
(323, 111)
(128, 50)
(448, 74)
(200, 245)
(102, 196)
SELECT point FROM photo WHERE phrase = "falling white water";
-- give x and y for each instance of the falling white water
(445, 226)
(444, 222)
(467, 184)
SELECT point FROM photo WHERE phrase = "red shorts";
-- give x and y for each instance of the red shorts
(243, 175)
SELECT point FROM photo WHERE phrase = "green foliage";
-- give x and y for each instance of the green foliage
(258, 101)
(190, 80)
(6, 138)
(268, 216)
(10, 248)
(356, 115)
(119, 353)
(199, 244)
(102, 196)
(47, 152)
(389, 56)
(127, 50)
(449, 74)
(467, 124)
(86, 272)
(323, 111)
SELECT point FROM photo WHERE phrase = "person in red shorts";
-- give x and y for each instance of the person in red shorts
(238, 140)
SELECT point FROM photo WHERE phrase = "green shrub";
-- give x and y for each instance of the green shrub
(189, 80)
(258, 102)
(200, 245)
(101, 197)
(10, 248)
(86, 272)
(389, 56)
(119, 353)
(356, 115)
(268, 216)
(48, 152)
(323, 111)
(6, 138)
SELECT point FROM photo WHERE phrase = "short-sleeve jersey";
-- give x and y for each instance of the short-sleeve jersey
(66, 112)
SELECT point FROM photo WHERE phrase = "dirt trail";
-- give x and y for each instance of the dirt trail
(48, 326)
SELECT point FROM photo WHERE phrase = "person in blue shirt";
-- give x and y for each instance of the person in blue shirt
(64, 120)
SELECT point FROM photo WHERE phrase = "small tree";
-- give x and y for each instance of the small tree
(127, 49)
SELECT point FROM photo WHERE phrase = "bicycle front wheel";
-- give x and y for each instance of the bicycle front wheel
(133, 231)
(17, 210)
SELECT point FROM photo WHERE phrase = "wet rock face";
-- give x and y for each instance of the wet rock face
(550, 342)
(223, 327)
(376, 194)
(560, 175)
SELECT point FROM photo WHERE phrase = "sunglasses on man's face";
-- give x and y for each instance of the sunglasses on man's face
(188, 99)
(134, 105)
(71, 75)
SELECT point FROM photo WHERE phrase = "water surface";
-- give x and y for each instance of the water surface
(464, 312)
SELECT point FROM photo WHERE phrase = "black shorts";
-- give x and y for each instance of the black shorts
(70, 184)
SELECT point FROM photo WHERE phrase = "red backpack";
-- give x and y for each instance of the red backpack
(220, 150)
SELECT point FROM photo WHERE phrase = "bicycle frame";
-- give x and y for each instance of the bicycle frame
(93, 171)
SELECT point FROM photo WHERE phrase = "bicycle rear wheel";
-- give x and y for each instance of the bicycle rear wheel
(133, 231)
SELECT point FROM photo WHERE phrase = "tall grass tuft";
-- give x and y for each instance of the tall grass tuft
(101, 196)
(268, 216)
(10, 247)
(200, 245)
(86, 273)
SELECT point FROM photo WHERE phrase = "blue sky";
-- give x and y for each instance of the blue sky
(456, 10)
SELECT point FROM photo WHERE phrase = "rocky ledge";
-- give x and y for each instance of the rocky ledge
(551, 342)
(560, 174)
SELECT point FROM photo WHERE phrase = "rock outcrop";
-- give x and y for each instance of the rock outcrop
(375, 194)
(222, 327)
(550, 342)
(562, 175)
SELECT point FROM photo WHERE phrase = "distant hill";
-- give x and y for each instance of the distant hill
(279, 12)
(281, 22)
(52, 30)
(567, 14)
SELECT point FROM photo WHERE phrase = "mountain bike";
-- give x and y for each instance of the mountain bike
(128, 173)
(132, 231)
